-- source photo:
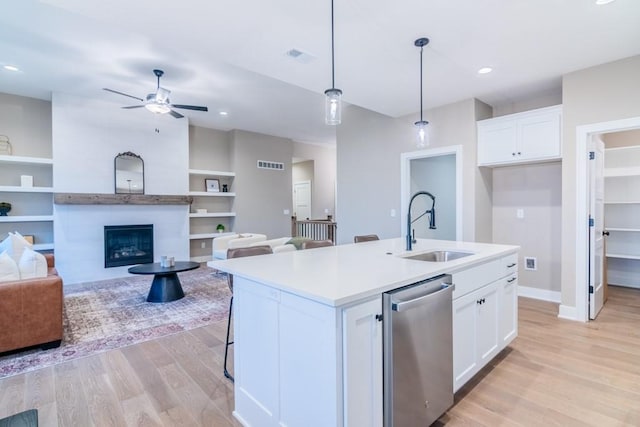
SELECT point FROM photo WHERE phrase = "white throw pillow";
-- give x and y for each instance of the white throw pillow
(32, 264)
(8, 268)
(15, 244)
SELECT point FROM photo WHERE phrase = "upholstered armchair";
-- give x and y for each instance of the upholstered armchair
(31, 311)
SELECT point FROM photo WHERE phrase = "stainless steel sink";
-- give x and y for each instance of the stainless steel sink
(439, 256)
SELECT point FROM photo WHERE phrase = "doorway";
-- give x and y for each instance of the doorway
(439, 171)
(302, 199)
(584, 135)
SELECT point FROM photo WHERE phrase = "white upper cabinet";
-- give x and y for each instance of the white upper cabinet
(529, 137)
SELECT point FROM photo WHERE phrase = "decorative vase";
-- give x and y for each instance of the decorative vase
(4, 208)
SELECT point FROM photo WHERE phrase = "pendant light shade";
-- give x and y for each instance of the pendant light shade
(333, 106)
(422, 126)
(333, 96)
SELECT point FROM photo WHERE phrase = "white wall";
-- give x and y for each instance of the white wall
(323, 194)
(536, 190)
(437, 175)
(262, 195)
(368, 168)
(599, 94)
(86, 136)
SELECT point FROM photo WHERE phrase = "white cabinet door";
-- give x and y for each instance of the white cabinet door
(539, 136)
(487, 323)
(464, 339)
(475, 332)
(496, 142)
(508, 303)
(362, 361)
(527, 137)
(256, 364)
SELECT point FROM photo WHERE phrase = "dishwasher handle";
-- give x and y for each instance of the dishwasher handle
(406, 305)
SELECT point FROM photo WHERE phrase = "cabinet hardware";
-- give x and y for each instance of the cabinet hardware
(511, 265)
(511, 280)
(605, 233)
(379, 317)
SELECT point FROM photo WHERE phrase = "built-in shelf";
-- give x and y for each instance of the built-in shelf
(208, 235)
(22, 160)
(622, 256)
(26, 218)
(622, 202)
(202, 258)
(633, 230)
(204, 172)
(212, 215)
(18, 189)
(42, 246)
(211, 194)
(621, 172)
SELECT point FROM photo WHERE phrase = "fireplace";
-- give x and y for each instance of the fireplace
(128, 245)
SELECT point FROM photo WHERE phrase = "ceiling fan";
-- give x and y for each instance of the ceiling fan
(159, 102)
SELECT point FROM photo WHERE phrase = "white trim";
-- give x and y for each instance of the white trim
(567, 312)
(583, 134)
(405, 182)
(541, 294)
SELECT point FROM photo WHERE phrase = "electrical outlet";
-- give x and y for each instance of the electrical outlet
(530, 263)
(286, 211)
(203, 245)
(393, 213)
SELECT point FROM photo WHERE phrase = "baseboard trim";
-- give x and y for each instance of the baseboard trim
(568, 312)
(541, 294)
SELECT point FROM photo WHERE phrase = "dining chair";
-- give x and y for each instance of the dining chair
(310, 244)
(365, 238)
(239, 253)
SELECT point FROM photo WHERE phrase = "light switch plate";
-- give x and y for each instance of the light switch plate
(520, 213)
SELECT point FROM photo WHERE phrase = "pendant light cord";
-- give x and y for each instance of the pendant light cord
(421, 49)
(333, 67)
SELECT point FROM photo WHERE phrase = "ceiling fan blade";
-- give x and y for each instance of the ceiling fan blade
(190, 107)
(123, 94)
(132, 106)
(176, 114)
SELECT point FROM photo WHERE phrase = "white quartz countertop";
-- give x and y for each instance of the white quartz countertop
(344, 274)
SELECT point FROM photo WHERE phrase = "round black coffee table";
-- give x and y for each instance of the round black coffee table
(166, 284)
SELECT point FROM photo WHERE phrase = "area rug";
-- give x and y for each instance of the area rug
(104, 315)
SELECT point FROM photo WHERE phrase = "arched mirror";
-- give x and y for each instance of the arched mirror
(129, 173)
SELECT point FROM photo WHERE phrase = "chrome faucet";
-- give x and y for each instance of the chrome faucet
(432, 216)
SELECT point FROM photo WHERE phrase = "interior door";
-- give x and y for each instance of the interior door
(596, 231)
(302, 199)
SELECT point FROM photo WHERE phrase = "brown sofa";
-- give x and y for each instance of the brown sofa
(31, 311)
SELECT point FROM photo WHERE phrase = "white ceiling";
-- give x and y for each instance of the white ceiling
(231, 55)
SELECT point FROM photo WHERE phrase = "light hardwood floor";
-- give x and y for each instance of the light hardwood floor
(556, 373)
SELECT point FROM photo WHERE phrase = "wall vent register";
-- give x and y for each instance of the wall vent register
(265, 164)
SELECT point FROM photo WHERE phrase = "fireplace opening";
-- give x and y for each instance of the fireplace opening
(128, 245)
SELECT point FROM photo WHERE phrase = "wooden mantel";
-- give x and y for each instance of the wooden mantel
(119, 199)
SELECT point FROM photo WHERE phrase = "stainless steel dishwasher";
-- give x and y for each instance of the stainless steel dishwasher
(418, 353)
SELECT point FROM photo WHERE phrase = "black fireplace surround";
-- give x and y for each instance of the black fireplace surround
(128, 245)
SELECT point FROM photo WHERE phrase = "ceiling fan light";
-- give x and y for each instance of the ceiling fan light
(162, 95)
(157, 108)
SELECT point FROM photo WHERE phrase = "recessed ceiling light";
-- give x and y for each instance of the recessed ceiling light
(485, 70)
(223, 113)
(601, 2)
(11, 68)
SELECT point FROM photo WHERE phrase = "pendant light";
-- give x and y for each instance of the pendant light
(333, 96)
(422, 137)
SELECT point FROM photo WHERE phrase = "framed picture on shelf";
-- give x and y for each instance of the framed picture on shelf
(212, 185)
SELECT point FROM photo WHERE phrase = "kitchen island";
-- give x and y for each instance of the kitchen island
(308, 333)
